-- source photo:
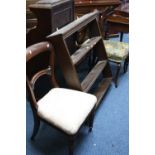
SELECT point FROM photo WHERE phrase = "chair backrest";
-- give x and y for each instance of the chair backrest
(39, 62)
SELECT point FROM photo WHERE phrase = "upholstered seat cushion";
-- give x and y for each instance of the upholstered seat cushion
(66, 109)
(116, 51)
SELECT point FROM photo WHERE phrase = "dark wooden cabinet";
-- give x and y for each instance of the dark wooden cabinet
(51, 15)
(91, 46)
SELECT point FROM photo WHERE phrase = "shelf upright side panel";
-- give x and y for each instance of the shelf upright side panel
(65, 62)
(94, 29)
(100, 52)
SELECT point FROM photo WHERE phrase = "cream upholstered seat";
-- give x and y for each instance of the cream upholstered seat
(66, 109)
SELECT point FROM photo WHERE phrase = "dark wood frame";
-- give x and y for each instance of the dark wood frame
(31, 53)
(118, 68)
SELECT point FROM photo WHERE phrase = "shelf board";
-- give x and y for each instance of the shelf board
(84, 49)
(93, 75)
(102, 89)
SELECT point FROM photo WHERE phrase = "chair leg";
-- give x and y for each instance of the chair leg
(71, 145)
(36, 127)
(91, 120)
(126, 63)
(117, 74)
(121, 37)
(106, 35)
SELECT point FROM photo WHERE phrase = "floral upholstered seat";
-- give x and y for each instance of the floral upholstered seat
(116, 51)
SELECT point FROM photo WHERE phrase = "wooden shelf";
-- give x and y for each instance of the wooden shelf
(93, 47)
(102, 89)
(84, 49)
(93, 75)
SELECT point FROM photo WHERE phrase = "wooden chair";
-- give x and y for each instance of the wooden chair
(117, 53)
(117, 21)
(62, 108)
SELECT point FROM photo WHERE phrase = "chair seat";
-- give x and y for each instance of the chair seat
(66, 109)
(116, 51)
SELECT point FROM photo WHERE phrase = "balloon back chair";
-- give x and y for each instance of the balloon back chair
(62, 108)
